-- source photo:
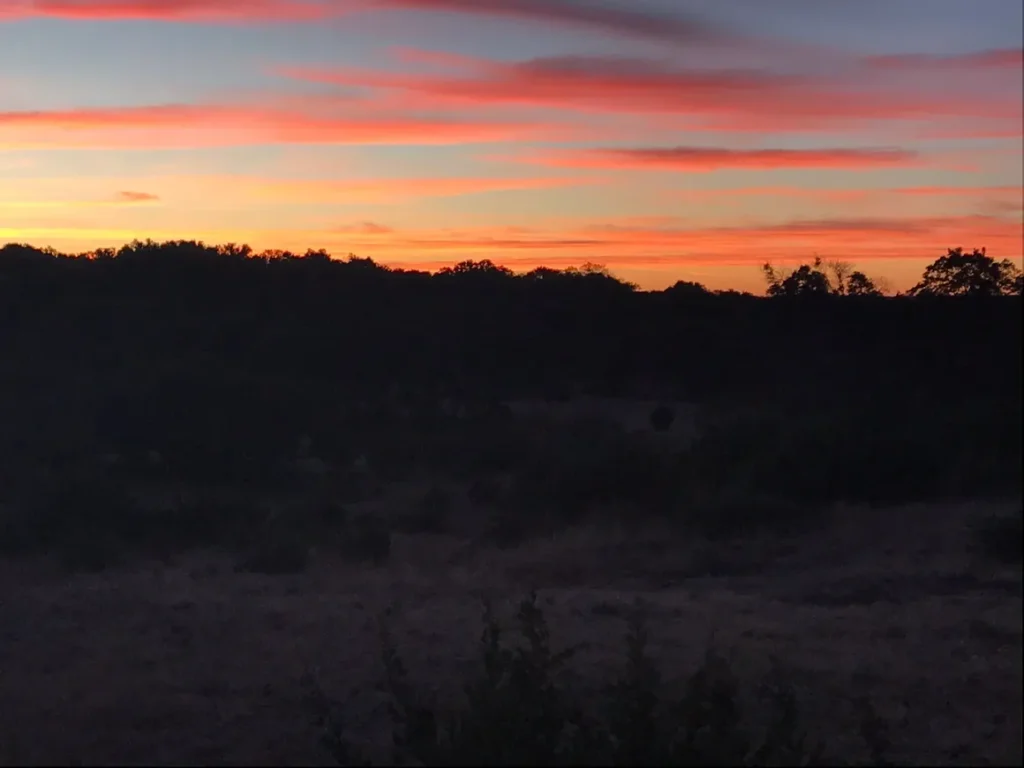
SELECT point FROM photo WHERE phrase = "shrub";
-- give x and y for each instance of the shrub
(661, 418)
(999, 537)
(431, 513)
(525, 708)
(859, 454)
(276, 553)
(735, 514)
(87, 520)
(367, 537)
(593, 462)
(484, 491)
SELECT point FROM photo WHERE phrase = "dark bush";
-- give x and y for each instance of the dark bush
(431, 513)
(661, 418)
(859, 454)
(366, 538)
(730, 515)
(484, 490)
(525, 707)
(276, 553)
(1000, 537)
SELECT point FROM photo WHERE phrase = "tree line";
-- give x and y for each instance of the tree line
(958, 273)
(226, 346)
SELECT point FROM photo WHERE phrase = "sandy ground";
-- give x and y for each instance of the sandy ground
(194, 663)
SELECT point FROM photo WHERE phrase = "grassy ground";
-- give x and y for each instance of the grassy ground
(190, 661)
(151, 618)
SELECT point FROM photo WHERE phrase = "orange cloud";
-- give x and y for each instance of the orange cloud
(847, 195)
(392, 190)
(238, 11)
(712, 159)
(365, 228)
(735, 100)
(201, 125)
(136, 197)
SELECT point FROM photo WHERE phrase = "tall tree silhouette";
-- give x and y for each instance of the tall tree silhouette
(969, 274)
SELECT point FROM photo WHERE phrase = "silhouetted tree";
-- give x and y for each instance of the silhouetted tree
(836, 278)
(807, 280)
(687, 289)
(859, 284)
(969, 274)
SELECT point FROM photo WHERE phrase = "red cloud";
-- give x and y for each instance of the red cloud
(171, 10)
(136, 197)
(741, 100)
(711, 159)
(185, 125)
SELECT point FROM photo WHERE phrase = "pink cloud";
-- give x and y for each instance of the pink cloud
(712, 159)
(707, 99)
(187, 125)
(237, 11)
(136, 197)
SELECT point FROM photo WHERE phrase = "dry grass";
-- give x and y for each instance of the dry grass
(192, 662)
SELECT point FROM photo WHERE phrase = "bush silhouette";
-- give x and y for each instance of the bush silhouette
(661, 418)
(526, 707)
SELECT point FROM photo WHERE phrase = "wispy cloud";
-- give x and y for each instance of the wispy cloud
(618, 18)
(608, 16)
(136, 197)
(190, 125)
(182, 193)
(395, 190)
(713, 159)
(233, 11)
(734, 100)
(635, 244)
(995, 59)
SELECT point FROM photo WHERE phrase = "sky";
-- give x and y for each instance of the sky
(666, 139)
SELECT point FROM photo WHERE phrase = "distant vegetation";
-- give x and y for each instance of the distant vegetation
(214, 366)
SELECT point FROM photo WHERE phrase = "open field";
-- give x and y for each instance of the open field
(189, 661)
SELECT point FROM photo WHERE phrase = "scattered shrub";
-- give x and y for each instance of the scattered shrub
(275, 554)
(999, 537)
(484, 490)
(431, 513)
(734, 514)
(87, 520)
(661, 418)
(525, 707)
(367, 537)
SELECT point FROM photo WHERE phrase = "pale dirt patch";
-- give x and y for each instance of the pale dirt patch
(195, 663)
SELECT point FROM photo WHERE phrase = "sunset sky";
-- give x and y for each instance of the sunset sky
(666, 139)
